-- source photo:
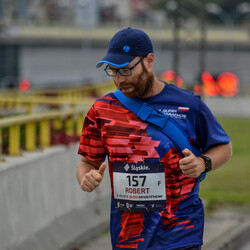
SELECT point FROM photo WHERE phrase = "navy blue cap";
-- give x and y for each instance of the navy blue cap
(125, 45)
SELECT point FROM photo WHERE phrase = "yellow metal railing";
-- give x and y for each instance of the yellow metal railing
(42, 122)
(93, 90)
(29, 102)
(30, 131)
(16, 100)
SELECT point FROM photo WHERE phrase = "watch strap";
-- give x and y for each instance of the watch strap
(208, 164)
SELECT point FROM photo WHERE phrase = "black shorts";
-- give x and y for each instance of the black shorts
(190, 248)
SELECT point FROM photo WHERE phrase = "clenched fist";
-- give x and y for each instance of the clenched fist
(191, 165)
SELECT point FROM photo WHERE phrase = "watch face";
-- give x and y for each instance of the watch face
(207, 163)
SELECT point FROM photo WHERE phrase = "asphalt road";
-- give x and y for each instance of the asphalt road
(246, 246)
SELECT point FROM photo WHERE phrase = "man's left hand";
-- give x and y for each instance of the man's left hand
(191, 165)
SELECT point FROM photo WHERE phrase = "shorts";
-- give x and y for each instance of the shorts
(189, 248)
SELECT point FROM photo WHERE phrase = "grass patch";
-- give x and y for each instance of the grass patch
(230, 184)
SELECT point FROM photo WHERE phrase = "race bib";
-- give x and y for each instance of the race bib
(139, 187)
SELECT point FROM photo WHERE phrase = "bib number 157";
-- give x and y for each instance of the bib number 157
(135, 180)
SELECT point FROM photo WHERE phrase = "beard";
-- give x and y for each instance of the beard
(141, 85)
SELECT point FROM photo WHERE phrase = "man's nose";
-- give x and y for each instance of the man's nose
(118, 78)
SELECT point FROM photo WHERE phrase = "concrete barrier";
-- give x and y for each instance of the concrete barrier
(229, 107)
(42, 205)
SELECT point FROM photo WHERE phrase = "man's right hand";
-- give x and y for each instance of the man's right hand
(93, 178)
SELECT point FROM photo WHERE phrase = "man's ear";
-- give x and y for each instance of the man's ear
(149, 59)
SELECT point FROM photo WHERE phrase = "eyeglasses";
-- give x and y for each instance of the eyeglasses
(123, 71)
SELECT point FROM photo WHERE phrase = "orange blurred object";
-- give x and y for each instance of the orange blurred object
(209, 84)
(228, 84)
(171, 77)
(24, 85)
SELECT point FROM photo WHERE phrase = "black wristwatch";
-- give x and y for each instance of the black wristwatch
(208, 163)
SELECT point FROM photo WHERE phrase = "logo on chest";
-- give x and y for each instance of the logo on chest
(176, 112)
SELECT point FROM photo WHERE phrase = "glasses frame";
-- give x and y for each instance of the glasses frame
(119, 70)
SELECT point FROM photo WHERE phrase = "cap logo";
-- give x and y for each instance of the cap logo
(126, 48)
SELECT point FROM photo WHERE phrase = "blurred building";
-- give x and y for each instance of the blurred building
(111, 10)
(72, 12)
(177, 31)
(85, 12)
